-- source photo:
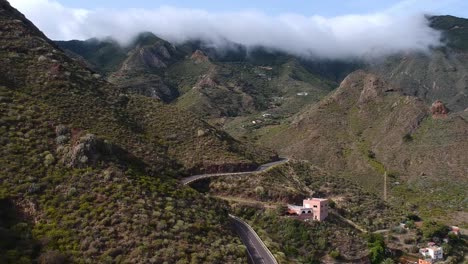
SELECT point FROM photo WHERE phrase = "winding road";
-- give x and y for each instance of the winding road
(261, 168)
(257, 250)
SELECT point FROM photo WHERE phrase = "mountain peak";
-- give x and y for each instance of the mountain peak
(146, 39)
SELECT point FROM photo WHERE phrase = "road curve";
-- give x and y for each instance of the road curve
(261, 168)
(257, 250)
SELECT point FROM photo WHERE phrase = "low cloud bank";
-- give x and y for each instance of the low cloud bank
(351, 36)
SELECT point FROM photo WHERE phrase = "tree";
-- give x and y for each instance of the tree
(376, 246)
(447, 248)
(410, 224)
(335, 254)
(431, 229)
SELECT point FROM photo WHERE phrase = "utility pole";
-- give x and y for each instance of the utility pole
(385, 186)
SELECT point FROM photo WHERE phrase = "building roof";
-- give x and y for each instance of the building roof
(294, 207)
(316, 199)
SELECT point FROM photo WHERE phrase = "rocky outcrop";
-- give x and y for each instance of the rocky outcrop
(439, 110)
(80, 151)
(199, 57)
(151, 86)
(372, 90)
(206, 82)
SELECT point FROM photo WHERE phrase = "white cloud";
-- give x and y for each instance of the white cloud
(337, 37)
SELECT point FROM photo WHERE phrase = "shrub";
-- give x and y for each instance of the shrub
(431, 229)
(335, 254)
(407, 138)
(376, 245)
(388, 261)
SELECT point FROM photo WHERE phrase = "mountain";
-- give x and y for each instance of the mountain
(90, 172)
(96, 136)
(220, 85)
(438, 75)
(367, 127)
(378, 120)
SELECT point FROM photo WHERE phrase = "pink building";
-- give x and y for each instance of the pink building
(315, 207)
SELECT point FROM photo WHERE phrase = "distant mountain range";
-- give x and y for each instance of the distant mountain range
(95, 138)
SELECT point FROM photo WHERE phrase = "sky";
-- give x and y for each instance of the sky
(276, 7)
(329, 29)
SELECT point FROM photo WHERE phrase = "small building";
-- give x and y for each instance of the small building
(431, 254)
(425, 261)
(315, 208)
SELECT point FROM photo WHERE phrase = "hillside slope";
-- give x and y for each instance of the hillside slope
(366, 127)
(216, 85)
(89, 173)
(441, 74)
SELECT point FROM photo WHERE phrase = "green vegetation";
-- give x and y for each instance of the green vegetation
(376, 245)
(293, 241)
(17, 244)
(433, 204)
(90, 170)
(454, 29)
(90, 174)
(292, 182)
(103, 55)
(432, 229)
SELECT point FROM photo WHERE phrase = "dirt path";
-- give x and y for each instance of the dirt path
(247, 201)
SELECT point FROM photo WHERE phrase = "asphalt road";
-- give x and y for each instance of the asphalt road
(261, 168)
(258, 252)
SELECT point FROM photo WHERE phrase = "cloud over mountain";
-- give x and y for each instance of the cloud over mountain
(327, 37)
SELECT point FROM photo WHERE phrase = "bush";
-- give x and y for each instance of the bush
(408, 138)
(388, 261)
(433, 229)
(335, 254)
(376, 245)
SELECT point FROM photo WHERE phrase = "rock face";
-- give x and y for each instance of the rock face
(439, 110)
(438, 76)
(206, 82)
(372, 89)
(81, 152)
(199, 57)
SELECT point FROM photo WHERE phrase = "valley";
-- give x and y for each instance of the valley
(155, 151)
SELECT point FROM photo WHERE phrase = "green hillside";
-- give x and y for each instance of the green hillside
(89, 173)
(365, 128)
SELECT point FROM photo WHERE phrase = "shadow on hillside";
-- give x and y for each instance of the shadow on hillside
(16, 243)
(202, 186)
